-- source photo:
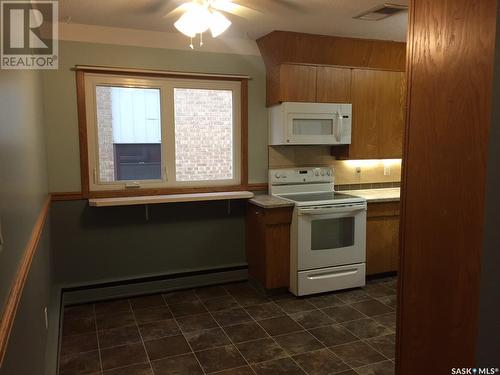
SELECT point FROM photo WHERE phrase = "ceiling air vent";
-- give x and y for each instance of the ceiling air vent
(382, 11)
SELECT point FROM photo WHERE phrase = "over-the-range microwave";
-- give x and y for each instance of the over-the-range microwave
(292, 123)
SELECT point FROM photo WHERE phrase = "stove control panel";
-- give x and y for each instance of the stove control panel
(300, 175)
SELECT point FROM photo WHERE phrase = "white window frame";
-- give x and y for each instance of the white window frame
(166, 86)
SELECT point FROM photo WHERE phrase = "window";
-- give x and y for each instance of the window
(162, 133)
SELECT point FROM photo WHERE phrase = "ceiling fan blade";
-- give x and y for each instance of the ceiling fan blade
(293, 4)
(180, 9)
(149, 6)
(235, 9)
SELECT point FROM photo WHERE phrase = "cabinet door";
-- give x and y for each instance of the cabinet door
(394, 105)
(382, 238)
(378, 106)
(333, 85)
(297, 83)
(255, 243)
(367, 89)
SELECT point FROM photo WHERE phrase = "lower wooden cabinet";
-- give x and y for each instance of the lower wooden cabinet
(382, 237)
(268, 245)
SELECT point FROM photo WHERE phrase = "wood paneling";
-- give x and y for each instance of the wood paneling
(333, 85)
(378, 114)
(450, 64)
(268, 245)
(382, 237)
(16, 291)
(288, 47)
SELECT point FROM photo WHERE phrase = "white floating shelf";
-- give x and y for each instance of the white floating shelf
(173, 198)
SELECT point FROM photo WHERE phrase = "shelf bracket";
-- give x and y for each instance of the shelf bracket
(146, 211)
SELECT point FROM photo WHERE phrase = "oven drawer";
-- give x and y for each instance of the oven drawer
(330, 279)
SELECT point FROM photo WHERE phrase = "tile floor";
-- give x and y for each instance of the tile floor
(234, 329)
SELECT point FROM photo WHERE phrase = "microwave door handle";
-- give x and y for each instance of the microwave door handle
(338, 127)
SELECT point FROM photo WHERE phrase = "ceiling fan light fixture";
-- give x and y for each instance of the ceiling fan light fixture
(218, 23)
(196, 20)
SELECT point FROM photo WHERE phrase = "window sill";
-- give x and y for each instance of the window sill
(171, 198)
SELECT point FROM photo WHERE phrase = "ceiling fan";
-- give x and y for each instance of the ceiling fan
(199, 16)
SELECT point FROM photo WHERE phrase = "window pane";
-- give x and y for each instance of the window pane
(129, 133)
(203, 134)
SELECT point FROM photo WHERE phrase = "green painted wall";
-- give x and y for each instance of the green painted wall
(95, 245)
(59, 94)
(22, 193)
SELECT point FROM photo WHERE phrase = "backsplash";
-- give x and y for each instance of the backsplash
(377, 185)
(371, 174)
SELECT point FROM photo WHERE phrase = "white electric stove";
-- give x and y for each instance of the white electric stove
(328, 234)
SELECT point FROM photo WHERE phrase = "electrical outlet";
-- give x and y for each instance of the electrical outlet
(46, 313)
(387, 170)
(358, 171)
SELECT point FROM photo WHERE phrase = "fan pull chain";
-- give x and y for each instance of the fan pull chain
(201, 39)
(191, 44)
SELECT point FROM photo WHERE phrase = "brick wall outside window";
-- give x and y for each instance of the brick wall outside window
(105, 134)
(203, 134)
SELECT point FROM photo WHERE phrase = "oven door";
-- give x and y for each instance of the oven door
(331, 235)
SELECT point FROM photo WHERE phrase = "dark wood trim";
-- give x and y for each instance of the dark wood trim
(244, 132)
(159, 73)
(66, 196)
(16, 291)
(261, 186)
(280, 47)
(82, 131)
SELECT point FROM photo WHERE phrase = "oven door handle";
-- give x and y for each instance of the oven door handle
(332, 209)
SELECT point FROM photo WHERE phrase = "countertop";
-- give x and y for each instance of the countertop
(270, 201)
(377, 195)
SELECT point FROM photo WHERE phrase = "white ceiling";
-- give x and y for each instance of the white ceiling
(328, 17)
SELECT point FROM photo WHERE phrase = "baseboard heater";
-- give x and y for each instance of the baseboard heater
(152, 284)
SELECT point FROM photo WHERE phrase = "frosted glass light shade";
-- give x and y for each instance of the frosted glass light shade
(218, 23)
(195, 21)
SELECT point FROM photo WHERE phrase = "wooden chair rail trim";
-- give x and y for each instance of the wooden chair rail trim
(16, 291)
(261, 186)
(66, 196)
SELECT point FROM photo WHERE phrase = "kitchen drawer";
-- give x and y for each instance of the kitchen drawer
(330, 279)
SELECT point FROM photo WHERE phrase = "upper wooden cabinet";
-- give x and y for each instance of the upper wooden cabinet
(333, 85)
(378, 109)
(291, 83)
(308, 83)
